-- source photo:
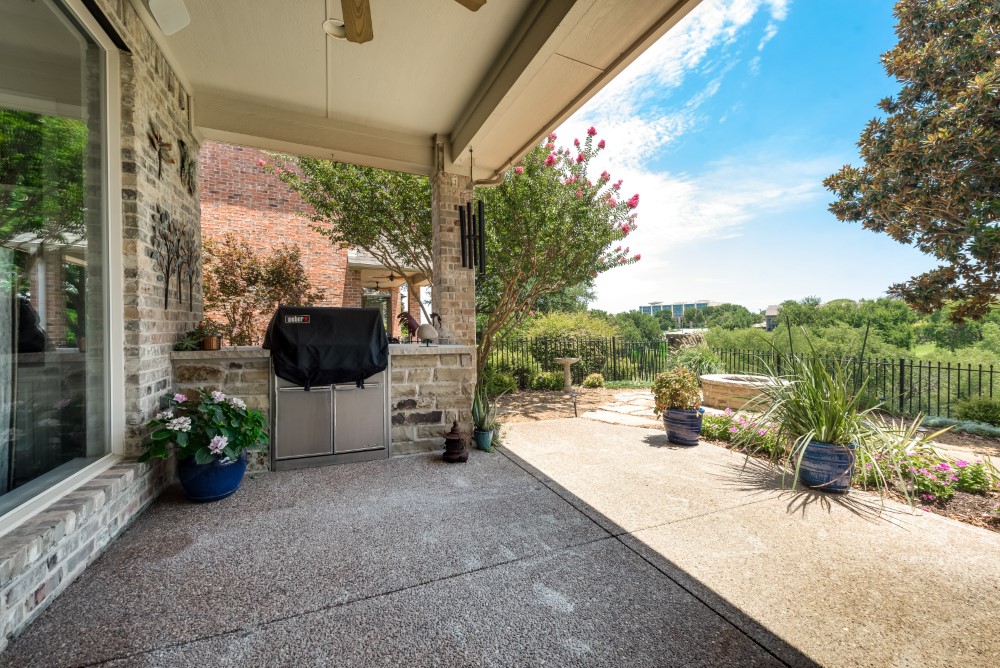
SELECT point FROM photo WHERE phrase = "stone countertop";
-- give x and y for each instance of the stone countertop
(256, 352)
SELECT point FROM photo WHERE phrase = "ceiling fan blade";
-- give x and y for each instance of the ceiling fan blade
(357, 20)
(472, 5)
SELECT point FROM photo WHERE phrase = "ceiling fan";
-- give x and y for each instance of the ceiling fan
(357, 24)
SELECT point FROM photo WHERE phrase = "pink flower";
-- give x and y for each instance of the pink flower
(279, 171)
(550, 147)
(943, 467)
(591, 131)
(580, 158)
(961, 463)
(576, 142)
(218, 444)
(579, 193)
(953, 477)
(571, 180)
(531, 313)
(868, 465)
(612, 202)
(600, 144)
(180, 398)
(261, 163)
(519, 170)
(638, 256)
(618, 184)
(633, 201)
(605, 176)
(622, 261)
(733, 430)
(551, 160)
(927, 497)
(625, 230)
(552, 136)
(729, 412)
(619, 249)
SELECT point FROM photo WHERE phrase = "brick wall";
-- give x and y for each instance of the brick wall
(239, 197)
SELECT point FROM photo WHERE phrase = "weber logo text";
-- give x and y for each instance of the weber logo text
(296, 320)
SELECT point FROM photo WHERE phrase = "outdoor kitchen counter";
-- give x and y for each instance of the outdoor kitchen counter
(431, 387)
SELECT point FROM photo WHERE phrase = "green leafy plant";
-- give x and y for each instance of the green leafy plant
(547, 380)
(981, 409)
(594, 380)
(484, 410)
(498, 382)
(209, 427)
(742, 431)
(700, 359)
(190, 340)
(677, 389)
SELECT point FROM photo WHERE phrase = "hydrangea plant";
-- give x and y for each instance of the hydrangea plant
(207, 427)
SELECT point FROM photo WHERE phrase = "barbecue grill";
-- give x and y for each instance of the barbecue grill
(329, 386)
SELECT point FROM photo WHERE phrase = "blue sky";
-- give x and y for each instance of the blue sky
(726, 128)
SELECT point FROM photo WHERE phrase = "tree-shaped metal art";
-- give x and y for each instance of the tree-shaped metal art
(187, 263)
(162, 148)
(166, 249)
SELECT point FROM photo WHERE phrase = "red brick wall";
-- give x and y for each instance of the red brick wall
(240, 198)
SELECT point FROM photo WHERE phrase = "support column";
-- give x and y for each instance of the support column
(454, 289)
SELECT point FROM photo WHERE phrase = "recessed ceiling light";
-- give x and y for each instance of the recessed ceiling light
(335, 28)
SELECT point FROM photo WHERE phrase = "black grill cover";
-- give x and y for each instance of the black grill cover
(322, 346)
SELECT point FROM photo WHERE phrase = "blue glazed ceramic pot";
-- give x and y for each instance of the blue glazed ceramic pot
(213, 481)
(827, 467)
(683, 426)
(484, 439)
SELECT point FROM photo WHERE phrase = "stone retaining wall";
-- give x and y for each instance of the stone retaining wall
(431, 388)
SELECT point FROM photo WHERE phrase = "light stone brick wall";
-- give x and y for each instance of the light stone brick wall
(454, 291)
(431, 388)
(40, 558)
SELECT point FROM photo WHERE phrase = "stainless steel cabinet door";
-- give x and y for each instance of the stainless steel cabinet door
(359, 418)
(303, 422)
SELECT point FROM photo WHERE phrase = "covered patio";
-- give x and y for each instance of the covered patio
(577, 544)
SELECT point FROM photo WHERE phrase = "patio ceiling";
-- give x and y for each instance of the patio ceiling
(495, 80)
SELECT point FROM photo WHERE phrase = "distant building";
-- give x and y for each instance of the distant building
(676, 309)
(771, 317)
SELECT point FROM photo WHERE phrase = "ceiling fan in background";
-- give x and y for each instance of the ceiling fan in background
(356, 25)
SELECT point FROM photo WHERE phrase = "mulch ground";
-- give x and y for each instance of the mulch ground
(982, 511)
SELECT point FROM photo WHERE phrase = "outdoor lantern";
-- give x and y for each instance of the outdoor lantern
(454, 445)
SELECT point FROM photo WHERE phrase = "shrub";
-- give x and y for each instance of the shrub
(700, 359)
(548, 380)
(623, 369)
(594, 380)
(499, 382)
(981, 409)
(676, 389)
(522, 367)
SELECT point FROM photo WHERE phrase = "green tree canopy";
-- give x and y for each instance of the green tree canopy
(387, 214)
(931, 172)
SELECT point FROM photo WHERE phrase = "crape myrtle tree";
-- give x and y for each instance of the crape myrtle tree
(385, 213)
(550, 225)
(931, 172)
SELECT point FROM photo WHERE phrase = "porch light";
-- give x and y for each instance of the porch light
(335, 28)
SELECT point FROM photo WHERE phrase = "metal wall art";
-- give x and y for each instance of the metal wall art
(162, 148)
(188, 167)
(175, 253)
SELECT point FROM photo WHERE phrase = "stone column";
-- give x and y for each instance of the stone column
(454, 289)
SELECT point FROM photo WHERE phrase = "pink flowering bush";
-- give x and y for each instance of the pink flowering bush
(207, 427)
(741, 430)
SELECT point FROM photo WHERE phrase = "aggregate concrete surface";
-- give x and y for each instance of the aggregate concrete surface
(408, 561)
(847, 581)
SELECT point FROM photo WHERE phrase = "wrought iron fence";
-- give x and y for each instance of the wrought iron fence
(902, 385)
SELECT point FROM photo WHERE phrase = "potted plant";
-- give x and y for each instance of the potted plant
(210, 435)
(211, 334)
(484, 420)
(678, 398)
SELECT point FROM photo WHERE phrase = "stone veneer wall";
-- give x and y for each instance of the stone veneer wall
(242, 372)
(39, 558)
(431, 388)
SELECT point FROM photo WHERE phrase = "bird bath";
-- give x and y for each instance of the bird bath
(567, 376)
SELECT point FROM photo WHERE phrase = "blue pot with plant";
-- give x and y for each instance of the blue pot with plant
(484, 419)
(677, 395)
(210, 436)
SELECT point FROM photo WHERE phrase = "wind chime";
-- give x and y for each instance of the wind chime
(472, 231)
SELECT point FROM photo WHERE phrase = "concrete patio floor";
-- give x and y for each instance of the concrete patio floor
(580, 544)
(408, 561)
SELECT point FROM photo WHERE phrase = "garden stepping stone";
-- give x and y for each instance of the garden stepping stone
(625, 419)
